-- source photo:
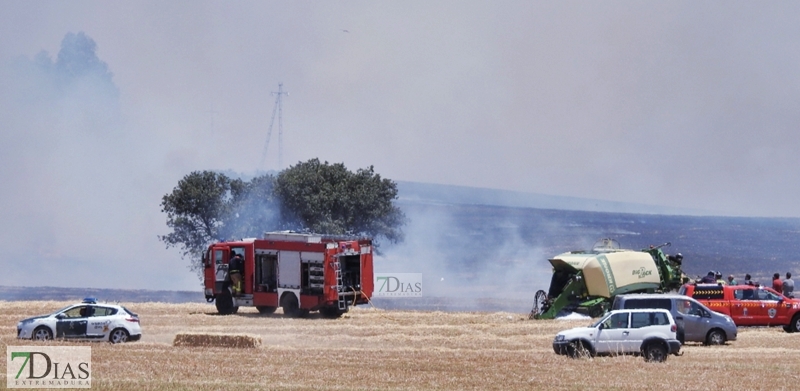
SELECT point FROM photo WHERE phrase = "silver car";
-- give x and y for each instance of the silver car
(696, 323)
(84, 321)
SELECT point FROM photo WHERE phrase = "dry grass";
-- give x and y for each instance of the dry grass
(217, 340)
(371, 349)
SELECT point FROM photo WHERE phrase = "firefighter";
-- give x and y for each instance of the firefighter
(709, 278)
(235, 269)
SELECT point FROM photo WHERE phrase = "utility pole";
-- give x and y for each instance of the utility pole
(278, 108)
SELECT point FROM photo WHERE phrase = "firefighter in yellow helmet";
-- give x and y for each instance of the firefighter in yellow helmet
(235, 269)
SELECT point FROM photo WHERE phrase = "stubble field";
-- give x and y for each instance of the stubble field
(373, 349)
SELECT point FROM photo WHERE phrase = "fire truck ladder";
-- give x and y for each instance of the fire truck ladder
(337, 269)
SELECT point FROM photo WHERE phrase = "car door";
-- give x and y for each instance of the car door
(639, 323)
(72, 322)
(741, 305)
(221, 260)
(613, 334)
(694, 324)
(100, 322)
(771, 312)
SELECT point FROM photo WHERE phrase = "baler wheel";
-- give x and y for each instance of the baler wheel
(538, 304)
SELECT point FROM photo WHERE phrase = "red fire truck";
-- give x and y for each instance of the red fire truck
(298, 272)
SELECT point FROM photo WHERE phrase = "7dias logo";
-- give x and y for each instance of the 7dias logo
(398, 285)
(49, 367)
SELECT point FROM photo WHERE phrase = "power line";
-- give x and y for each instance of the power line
(277, 109)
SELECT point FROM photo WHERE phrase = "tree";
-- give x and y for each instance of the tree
(195, 211)
(327, 198)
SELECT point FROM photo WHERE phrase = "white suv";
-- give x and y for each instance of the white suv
(646, 332)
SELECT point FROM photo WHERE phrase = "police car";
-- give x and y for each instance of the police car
(87, 320)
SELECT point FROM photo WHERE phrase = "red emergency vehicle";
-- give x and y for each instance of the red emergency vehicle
(748, 305)
(298, 272)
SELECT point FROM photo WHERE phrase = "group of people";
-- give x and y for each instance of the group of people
(785, 286)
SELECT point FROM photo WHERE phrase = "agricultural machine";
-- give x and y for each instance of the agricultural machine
(586, 282)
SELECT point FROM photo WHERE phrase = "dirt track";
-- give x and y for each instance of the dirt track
(374, 349)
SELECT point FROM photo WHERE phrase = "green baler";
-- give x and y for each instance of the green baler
(587, 281)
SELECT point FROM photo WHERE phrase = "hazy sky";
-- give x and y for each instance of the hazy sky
(687, 104)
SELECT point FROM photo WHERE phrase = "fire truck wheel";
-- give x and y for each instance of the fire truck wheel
(290, 306)
(224, 303)
(331, 312)
(265, 309)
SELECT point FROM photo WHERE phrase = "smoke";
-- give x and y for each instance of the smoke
(80, 186)
(467, 264)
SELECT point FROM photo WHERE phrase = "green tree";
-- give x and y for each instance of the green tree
(195, 210)
(327, 198)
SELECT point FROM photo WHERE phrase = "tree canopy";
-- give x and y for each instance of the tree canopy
(327, 198)
(310, 196)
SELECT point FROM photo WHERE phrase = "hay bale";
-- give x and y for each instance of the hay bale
(217, 340)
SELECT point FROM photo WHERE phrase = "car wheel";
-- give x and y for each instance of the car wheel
(577, 349)
(655, 352)
(795, 326)
(224, 303)
(266, 309)
(42, 333)
(118, 336)
(715, 337)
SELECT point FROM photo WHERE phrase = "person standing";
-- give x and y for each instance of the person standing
(777, 284)
(788, 286)
(731, 280)
(235, 268)
(708, 279)
(748, 280)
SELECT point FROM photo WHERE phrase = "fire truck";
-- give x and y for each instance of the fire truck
(297, 272)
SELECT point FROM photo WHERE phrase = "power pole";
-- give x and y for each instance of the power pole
(278, 108)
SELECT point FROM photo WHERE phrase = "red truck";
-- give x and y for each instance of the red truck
(298, 272)
(748, 305)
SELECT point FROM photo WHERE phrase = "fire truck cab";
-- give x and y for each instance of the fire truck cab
(298, 272)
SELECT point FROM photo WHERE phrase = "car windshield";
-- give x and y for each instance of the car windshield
(61, 310)
(603, 319)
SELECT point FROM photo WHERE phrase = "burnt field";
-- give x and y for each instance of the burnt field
(371, 349)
